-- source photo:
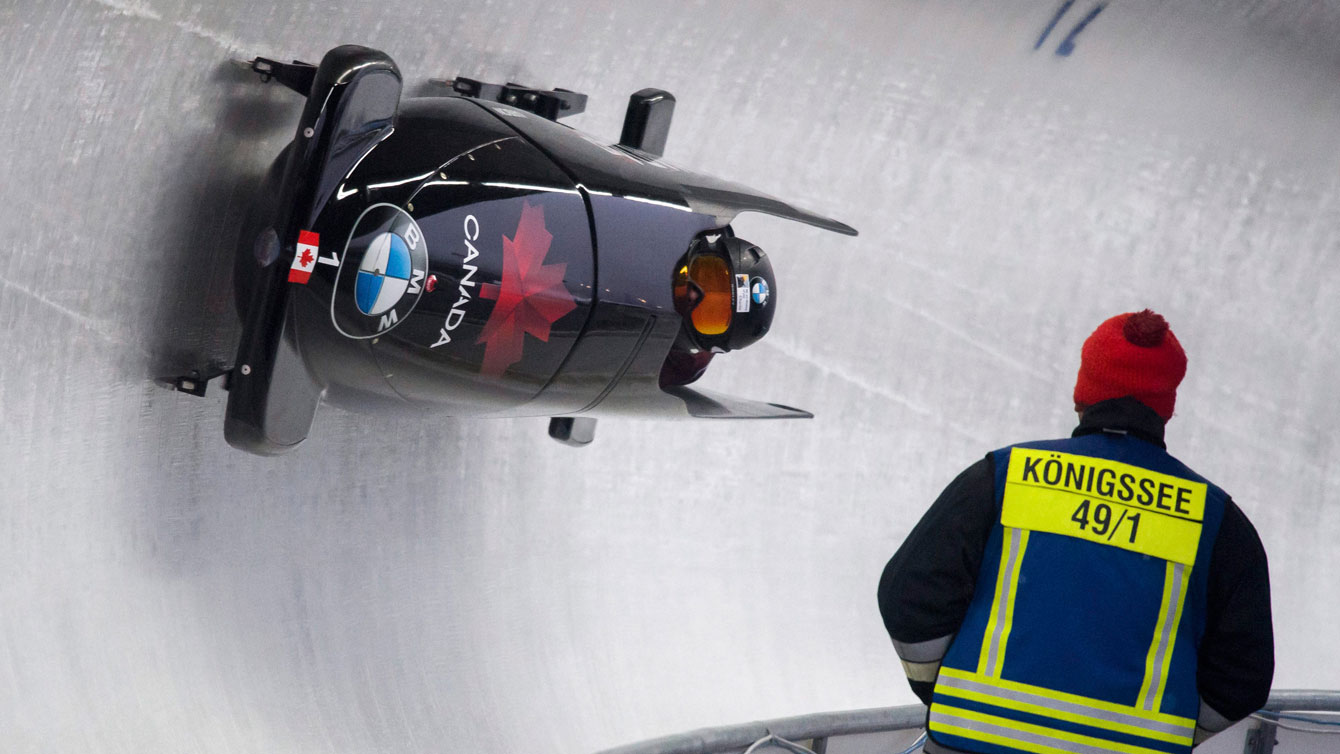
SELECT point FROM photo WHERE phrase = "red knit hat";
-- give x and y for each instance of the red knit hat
(1132, 355)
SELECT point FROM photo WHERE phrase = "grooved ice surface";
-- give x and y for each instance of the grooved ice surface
(437, 584)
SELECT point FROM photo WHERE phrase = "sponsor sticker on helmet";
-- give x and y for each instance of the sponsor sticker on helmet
(741, 293)
(758, 291)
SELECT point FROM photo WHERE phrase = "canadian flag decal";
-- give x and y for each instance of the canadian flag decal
(304, 258)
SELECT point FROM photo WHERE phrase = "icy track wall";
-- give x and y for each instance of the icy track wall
(452, 585)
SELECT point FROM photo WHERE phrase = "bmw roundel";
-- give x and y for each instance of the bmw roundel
(759, 290)
(381, 273)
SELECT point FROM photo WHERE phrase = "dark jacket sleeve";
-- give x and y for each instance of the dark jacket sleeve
(926, 587)
(1237, 653)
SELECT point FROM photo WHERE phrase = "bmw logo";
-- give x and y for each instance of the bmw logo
(758, 289)
(381, 273)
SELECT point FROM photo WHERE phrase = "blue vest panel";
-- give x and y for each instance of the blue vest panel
(1083, 630)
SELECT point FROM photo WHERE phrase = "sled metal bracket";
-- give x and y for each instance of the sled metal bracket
(198, 380)
(573, 430)
(546, 103)
(297, 75)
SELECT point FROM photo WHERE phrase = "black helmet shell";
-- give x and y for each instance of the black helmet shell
(753, 292)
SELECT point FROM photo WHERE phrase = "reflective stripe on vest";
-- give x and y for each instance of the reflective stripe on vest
(1160, 650)
(1026, 736)
(1071, 708)
(1002, 607)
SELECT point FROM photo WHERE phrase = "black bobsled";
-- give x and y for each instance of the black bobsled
(468, 255)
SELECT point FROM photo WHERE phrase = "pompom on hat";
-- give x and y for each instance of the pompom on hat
(1133, 354)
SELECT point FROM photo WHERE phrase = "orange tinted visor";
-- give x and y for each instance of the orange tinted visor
(703, 287)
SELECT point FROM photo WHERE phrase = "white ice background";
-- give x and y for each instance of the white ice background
(407, 585)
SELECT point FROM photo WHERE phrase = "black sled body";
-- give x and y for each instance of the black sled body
(456, 256)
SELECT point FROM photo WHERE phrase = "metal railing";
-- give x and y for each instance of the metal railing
(817, 732)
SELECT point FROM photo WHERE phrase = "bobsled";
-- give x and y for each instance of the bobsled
(468, 255)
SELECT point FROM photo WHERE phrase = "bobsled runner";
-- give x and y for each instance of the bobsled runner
(466, 255)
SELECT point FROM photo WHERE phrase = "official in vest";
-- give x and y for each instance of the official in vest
(1090, 594)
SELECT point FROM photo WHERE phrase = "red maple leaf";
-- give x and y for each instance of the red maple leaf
(306, 258)
(531, 295)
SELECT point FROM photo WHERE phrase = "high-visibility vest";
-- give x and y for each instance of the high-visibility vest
(1083, 630)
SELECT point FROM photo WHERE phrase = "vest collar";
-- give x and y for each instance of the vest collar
(1125, 416)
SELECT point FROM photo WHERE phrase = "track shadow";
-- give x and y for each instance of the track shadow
(196, 324)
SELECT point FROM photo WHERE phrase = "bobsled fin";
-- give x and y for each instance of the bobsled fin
(633, 168)
(708, 405)
(727, 203)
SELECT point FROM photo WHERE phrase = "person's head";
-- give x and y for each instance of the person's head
(725, 290)
(1135, 355)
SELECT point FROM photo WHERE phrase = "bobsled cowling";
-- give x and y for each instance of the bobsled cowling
(455, 256)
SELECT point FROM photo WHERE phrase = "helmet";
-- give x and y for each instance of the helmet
(725, 291)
